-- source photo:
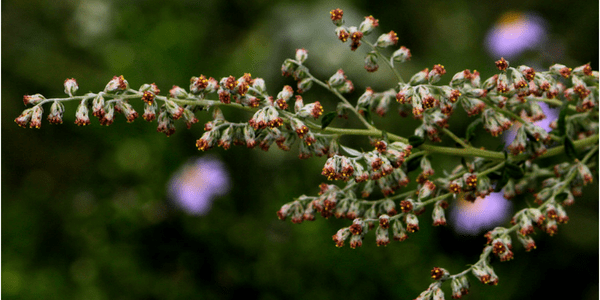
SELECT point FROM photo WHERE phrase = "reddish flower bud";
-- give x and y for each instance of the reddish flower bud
(336, 16)
(502, 64)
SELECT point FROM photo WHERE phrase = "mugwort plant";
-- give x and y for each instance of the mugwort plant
(508, 100)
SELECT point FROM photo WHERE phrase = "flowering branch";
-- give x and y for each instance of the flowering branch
(506, 98)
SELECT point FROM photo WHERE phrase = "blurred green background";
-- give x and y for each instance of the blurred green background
(85, 213)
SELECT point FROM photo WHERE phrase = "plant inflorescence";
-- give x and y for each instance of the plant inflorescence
(508, 100)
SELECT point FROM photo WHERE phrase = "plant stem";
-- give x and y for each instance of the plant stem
(387, 61)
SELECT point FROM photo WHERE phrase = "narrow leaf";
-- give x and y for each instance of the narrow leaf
(562, 129)
(513, 171)
(351, 151)
(570, 148)
(471, 129)
(327, 119)
(502, 182)
(416, 141)
(412, 165)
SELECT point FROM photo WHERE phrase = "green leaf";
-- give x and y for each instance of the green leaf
(416, 141)
(351, 151)
(471, 129)
(412, 165)
(570, 148)
(562, 128)
(513, 170)
(327, 119)
(561, 197)
(502, 182)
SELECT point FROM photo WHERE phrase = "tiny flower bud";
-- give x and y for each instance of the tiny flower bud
(34, 117)
(189, 118)
(439, 273)
(347, 87)
(288, 67)
(387, 39)
(382, 236)
(426, 190)
(419, 78)
(109, 114)
(127, 110)
(356, 241)
(178, 92)
(33, 99)
(117, 83)
(56, 113)
(436, 73)
(561, 70)
(368, 25)
(412, 223)
(198, 84)
(527, 242)
(341, 236)
(165, 124)
(337, 79)
(502, 64)
(150, 111)
(148, 97)
(301, 55)
(355, 35)
(336, 16)
(439, 216)
(71, 86)
(23, 119)
(384, 221)
(305, 85)
(584, 174)
(175, 110)
(98, 106)
(371, 62)
(401, 55)
(583, 70)
(82, 115)
(342, 34)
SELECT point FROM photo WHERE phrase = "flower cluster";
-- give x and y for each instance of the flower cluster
(392, 182)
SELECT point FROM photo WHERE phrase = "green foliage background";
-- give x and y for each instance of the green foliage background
(84, 210)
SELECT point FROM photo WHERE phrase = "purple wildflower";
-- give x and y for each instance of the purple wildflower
(197, 183)
(472, 218)
(514, 33)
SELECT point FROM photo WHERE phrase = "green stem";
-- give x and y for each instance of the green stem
(341, 97)
(455, 138)
(387, 61)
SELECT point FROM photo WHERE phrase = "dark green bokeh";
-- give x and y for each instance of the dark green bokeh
(84, 210)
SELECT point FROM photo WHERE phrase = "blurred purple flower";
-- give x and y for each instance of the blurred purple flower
(551, 115)
(514, 33)
(197, 183)
(471, 218)
(485, 213)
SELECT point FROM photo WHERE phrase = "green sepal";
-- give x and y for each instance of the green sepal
(327, 119)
